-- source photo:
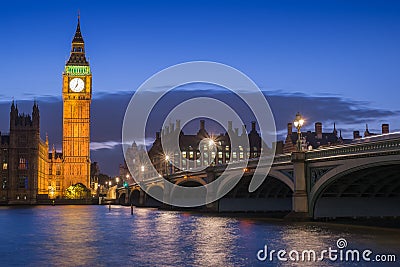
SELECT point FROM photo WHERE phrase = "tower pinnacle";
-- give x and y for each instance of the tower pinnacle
(77, 57)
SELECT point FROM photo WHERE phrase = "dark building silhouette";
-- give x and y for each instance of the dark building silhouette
(312, 140)
(203, 149)
(23, 156)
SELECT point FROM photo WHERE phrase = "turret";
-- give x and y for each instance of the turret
(35, 115)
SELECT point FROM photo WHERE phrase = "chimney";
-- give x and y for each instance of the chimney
(157, 135)
(229, 126)
(178, 125)
(385, 128)
(172, 127)
(244, 132)
(318, 130)
(202, 123)
(237, 131)
(289, 129)
(253, 126)
(166, 130)
(356, 134)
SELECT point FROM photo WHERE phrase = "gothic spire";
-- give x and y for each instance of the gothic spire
(78, 35)
(77, 57)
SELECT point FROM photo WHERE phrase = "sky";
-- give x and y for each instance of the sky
(334, 61)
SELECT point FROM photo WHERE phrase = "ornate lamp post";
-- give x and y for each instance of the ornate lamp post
(298, 123)
(166, 164)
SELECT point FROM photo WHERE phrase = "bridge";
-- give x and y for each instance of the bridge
(361, 179)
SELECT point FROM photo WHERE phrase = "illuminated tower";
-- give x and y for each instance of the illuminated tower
(77, 94)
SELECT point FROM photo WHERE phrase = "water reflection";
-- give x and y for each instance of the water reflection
(95, 236)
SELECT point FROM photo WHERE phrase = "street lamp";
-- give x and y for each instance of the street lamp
(117, 180)
(298, 123)
(166, 164)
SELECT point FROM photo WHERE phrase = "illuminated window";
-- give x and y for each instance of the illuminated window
(184, 154)
(241, 155)
(58, 170)
(227, 148)
(227, 155)
(205, 147)
(191, 154)
(220, 155)
(213, 154)
(234, 155)
(240, 148)
(5, 166)
(23, 164)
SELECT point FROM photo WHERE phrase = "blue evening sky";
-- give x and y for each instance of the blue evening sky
(348, 48)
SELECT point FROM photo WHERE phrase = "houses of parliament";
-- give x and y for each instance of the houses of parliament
(29, 169)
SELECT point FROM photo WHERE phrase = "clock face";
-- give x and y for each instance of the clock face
(76, 85)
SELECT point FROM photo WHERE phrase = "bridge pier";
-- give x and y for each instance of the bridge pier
(300, 209)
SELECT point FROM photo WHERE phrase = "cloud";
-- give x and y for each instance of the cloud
(103, 145)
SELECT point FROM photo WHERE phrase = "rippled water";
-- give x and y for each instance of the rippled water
(95, 236)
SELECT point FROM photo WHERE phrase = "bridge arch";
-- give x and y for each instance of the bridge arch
(121, 198)
(274, 194)
(134, 197)
(153, 193)
(185, 199)
(358, 188)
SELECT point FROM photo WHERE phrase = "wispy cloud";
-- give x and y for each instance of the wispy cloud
(103, 145)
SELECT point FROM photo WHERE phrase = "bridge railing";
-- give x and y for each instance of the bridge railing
(357, 148)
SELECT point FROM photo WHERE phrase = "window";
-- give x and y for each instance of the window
(227, 148)
(220, 155)
(241, 155)
(184, 154)
(234, 155)
(23, 164)
(5, 166)
(191, 154)
(23, 182)
(58, 170)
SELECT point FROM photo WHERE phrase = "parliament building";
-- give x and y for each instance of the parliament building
(29, 170)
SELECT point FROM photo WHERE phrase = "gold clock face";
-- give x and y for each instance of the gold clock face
(76, 85)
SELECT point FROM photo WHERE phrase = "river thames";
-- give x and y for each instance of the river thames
(95, 236)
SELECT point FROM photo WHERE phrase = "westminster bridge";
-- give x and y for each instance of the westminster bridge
(361, 179)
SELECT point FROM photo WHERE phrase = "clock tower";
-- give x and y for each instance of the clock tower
(77, 95)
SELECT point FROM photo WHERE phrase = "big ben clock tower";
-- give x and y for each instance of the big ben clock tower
(77, 95)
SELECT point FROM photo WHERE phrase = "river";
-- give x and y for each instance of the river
(95, 236)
